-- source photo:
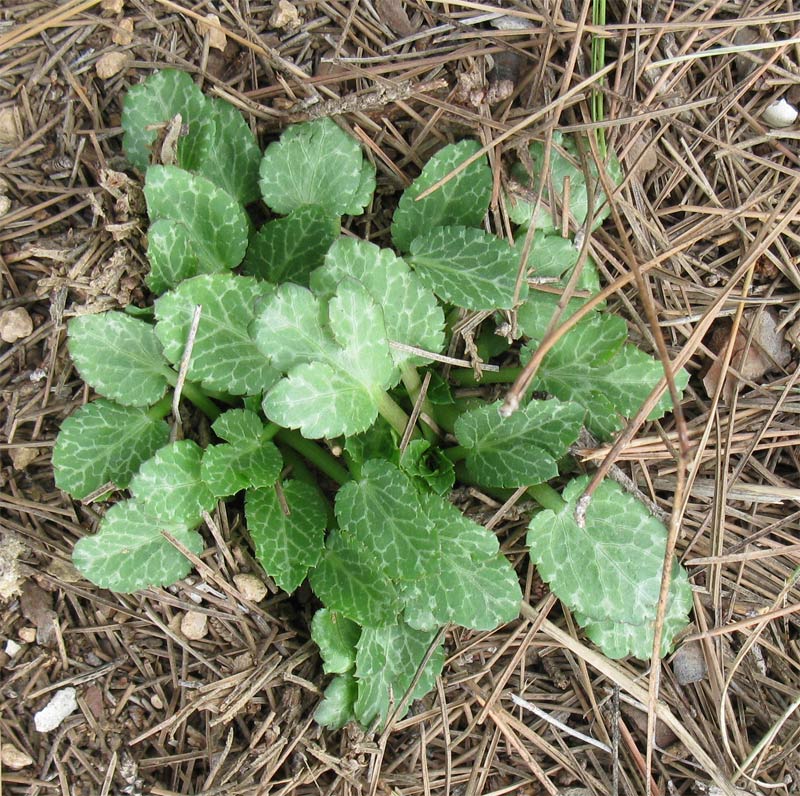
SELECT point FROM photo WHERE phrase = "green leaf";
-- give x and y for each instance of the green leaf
(227, 152)
(410, 310)
(379, 441)
(250, 460)
(199, 227)
(224, 355)
(467, 267)
(554, 257)
(287, 545)
(337, 706)
(473, 584)
(565, 165)
(337, 375)
(104, 442)
(316, 163)
(429, 465)
(387, 660)
(521, 449)
(609, 571)
(346, 581)
(382, 513)
(336, 636)
(119, 356)
(130, 552)
(592, 366)
(169, 485)
(290, 248)
(462, 200)
(155, 102)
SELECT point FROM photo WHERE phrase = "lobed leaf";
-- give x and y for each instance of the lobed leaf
(336, 636)
(463, 200)
(467, 267)
(411, 312)
(519, 450)
(386, 663)
(120, 357)
(198, 226)
(224, 355)
(130, 551)
(337, 707)
(104, 442)
(472, 584)
(249, 460)
(429, 465)
(316, 163)
(155, 102)
(609, 571)
(290, 248)
(382, 514)
(347, 582)
(336, 375)
(169, 485)
(287, 545)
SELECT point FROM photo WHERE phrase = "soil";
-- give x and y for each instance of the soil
(704, 237)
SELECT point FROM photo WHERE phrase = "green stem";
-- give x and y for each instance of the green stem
(300, 472)
(466, 377)
(413, 384)
(161, 409)
(200, 400)
(394, 415)
(456, 454)
(270, 431)
(546, 497)
(320, 458)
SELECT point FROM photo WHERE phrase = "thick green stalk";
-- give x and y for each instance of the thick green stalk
(315, 454)
(160, 409)
(394, 415)
(546, 497)
(200, 400)
(466, 378)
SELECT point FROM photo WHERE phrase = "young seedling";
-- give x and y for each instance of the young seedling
(305, 336)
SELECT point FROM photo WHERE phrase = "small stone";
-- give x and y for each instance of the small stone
(10, 126)
(114, 6)
(27, 635)
(123, 35)
(15, 324)
(216, 35)
(22, 457)
(194, 625)
(780, 114)
(12, 648)
(110, 64)
(156, 702)
(5, 204)
(56, 710)
(14, 758)
(285, 15)
(251, 587)
(689, 664)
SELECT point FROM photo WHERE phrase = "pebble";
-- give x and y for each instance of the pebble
(252, 588)
(15, 324)
(14, 758)
(689, 664)
(56, 710)
(780, 114)
(194, 625)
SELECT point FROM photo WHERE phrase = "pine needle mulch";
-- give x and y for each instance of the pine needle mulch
(704, 241)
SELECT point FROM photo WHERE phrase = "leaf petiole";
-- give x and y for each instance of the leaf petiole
(160, 409)
(546, 496)
(320, 458)
(394, 415)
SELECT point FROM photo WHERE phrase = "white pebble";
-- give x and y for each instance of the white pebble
(56, 710)
(194, 625)
(251, 587)
(780, 114)
(12, 648)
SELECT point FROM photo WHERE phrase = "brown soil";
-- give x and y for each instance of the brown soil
(706, 222)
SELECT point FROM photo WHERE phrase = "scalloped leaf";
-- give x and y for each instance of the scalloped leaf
(522, 449)
(609, 572)
(386, 662)
(169, 485)
(290, 248)
(346, 581)
(104, 441)
(410, 310)
(224, 355)
(593, 366)
(383, 515)
(472, 585)
(129, 552)
(196, 227)
(120, 357)
(429, 465)
(463, 200)
(337, 375)
(227, 152)
(155, 102)
(287, 545)
(337, 706)
(336, 636)
(316, 163)
(248, 460)
(467, 267)
(565, 164)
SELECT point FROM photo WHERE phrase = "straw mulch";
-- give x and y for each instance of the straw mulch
(703, 241)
